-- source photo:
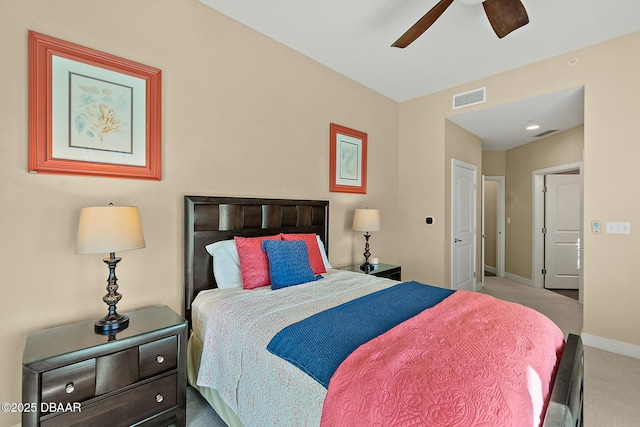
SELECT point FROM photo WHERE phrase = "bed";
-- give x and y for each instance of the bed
(251, 380)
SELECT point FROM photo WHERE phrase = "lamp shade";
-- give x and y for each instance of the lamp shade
(107, 229)
(366, 220)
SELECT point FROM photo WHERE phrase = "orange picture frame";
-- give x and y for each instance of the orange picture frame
(348, 160)
(92, 113)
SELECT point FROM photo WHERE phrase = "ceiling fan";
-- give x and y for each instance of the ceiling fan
(504, 16)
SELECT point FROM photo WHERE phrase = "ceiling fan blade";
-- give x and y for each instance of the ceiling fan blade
(422, 25)
(505, 15)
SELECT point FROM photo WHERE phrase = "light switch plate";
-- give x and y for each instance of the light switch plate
(618, 227)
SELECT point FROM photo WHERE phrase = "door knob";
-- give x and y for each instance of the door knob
(457, 240)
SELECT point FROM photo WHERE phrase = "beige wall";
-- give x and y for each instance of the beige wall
(242, 116)
(427, 144)
(559, 149)
(461, 145)
(421, 191)
(608, 71)
(494, 163)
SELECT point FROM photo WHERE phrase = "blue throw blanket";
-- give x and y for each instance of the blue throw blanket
(318, 344)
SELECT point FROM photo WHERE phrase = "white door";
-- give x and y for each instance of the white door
(483, 236)
(562, 238)
(463, 225)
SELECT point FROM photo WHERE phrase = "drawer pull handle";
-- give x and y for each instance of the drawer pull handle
(69, 388)
(159, 398)
(159, 359)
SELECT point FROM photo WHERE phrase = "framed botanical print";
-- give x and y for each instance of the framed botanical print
(91, 113)
(348, 160)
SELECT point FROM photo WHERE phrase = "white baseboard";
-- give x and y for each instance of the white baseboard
(519, 279)
(613, 346)
(490, 269)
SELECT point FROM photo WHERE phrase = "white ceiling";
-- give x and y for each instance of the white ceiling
(505, 126)
(354, 37)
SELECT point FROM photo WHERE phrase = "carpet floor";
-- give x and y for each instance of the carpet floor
(199, 412)
(611, 381)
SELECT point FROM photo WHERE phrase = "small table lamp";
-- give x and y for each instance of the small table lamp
(107, 229)
(366, 220)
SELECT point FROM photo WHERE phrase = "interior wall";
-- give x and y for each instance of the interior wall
(494, 163)
(461, 144)
(242, 116)
(608, 71)
(421, 190)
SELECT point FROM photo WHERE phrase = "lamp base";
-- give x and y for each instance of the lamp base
(111, 323)
(366, 267)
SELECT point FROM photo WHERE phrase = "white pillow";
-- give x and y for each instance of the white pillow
(327, 266)
(226, 264)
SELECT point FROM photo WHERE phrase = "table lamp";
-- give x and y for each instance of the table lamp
(107, 229)
(366, 220)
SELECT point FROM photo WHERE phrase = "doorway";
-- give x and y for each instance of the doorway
(539, 260)
(493, 226)
(562, 230)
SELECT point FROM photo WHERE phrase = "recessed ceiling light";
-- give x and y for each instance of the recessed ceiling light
(533, 127)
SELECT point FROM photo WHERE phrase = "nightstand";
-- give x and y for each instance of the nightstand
(387, 271)
(73, 376)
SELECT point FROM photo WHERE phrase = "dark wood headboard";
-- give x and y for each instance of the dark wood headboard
(211, 219)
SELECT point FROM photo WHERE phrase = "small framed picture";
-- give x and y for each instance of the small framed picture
(91, 113)
(348, 160)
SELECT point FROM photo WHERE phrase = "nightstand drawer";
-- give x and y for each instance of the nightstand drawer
(125, 408)
(158, 356)
(123, 363)
(72, 383)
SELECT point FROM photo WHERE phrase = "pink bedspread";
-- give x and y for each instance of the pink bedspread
(472, 360)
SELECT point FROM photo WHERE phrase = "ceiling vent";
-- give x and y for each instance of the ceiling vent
(545, 133)
(473, 97)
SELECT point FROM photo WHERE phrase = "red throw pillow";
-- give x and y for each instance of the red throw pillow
(254, 264)
(315, 257)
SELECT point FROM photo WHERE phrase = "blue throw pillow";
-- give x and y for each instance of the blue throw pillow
(288, 262)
